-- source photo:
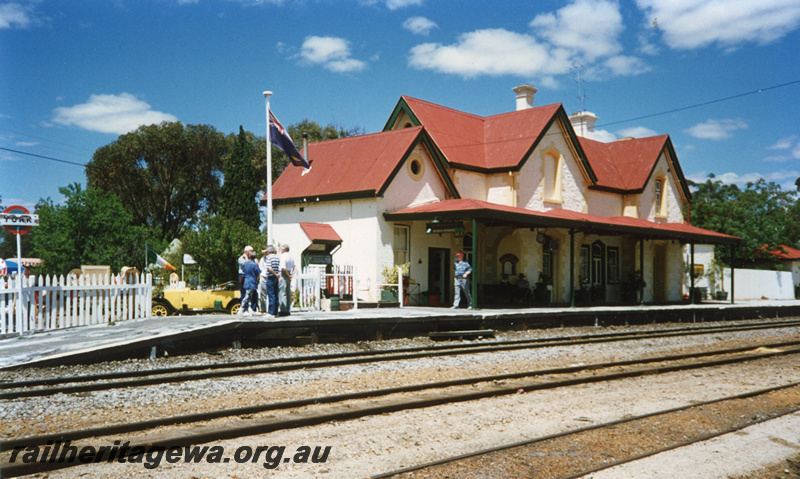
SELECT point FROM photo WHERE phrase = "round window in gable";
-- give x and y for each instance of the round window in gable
(416, 167)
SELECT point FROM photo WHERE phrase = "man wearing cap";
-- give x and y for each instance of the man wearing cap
(462, 272)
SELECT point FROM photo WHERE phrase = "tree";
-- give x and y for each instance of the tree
(238, 193)
(92, 227)
(216, 243)
(165, 175)
(761, 214)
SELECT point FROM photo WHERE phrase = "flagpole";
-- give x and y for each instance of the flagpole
(268, 94)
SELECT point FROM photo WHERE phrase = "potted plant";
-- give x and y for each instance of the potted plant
(632, 287)
(389, 293)
(716, 279)
(435, 297)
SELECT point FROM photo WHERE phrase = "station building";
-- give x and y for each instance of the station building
(524, 192)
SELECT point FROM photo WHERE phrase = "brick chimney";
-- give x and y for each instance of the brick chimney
(525, 96)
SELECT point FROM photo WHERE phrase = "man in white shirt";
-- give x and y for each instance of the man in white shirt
(263, 297)
(285, 284)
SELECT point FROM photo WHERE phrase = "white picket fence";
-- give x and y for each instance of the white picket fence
(313, 280)
(50, 302)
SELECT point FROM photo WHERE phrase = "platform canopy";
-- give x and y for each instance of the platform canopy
(492, 214)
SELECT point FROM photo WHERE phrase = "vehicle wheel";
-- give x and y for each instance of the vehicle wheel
(233, 306)
(160, 308)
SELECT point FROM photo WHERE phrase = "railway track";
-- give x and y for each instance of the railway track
(116, 380)
(602, 446)
(271, 417)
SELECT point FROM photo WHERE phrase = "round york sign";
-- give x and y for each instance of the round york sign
(18, 220)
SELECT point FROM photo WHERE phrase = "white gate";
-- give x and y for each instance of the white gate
(315, 283)
(50, 302)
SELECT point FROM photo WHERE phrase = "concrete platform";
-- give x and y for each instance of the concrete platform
(181, 334)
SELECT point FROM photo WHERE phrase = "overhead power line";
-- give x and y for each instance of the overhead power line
(698, 105)
(651, 115)
(43, 157)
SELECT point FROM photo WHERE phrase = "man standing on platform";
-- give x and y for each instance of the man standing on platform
(250, 283)
(244, 258)
(462, 272)
(273, 274)
(285, 284)
(263, 296)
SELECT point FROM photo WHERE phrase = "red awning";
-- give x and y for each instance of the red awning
(321, 233)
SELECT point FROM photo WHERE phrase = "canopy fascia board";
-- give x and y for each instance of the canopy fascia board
(485, 215)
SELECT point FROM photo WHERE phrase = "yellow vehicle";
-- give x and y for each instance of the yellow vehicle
(224, 298)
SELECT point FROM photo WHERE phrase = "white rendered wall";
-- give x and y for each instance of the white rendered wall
(355, 221)
(531, 180)
(760, 284)
(601, 203)
(647, 207)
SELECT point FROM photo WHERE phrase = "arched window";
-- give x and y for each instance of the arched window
(552, 177)
(508, 263)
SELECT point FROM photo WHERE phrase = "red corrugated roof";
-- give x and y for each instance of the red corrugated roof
(499, 141)
(320, 232)
(347, 165)
(783, 252)
(623, 164)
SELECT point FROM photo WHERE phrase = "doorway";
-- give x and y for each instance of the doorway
(439, 272)
(660, 273)
(598, 272)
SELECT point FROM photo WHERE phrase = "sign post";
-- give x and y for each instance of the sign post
(17, 220)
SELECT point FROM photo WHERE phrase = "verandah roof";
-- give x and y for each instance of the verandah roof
(496, 214)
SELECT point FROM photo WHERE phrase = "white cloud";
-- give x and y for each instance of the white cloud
(784, 143)
(419, 25)
(331, 52)
(603, 136)
(622, 65)
(585, 32)
(784, 178)
(791, 143)
(486, 52)
(716, 129)
(690, 24)
(589, 29)
(15, 15)
(116, 114)
(637, 132)
(395, 4)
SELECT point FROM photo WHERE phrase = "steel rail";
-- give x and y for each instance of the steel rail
(612, 424)
(495, 387)
(76, 384)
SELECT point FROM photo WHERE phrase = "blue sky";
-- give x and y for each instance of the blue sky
(74, 75)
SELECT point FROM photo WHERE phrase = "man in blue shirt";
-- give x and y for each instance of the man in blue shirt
(462, 272)
(250, 284)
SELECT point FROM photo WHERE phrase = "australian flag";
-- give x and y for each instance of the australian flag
(280, 138)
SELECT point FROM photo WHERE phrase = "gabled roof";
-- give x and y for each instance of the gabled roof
(356, 166)
(492, 143)
(492, 213)
(625, 166)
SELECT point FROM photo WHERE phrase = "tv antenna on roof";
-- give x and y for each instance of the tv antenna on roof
(578, 68)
